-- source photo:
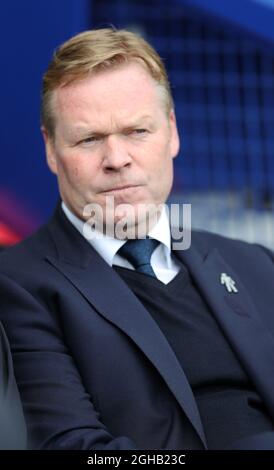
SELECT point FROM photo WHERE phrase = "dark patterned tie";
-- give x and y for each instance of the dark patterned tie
(138, 253)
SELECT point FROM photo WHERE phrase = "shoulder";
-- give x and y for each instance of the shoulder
(30, 244)
(26, 256)
(234, 248)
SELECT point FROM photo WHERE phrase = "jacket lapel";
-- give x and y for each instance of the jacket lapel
(112, 298)
(236, 315)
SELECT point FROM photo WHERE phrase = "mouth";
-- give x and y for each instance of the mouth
(117, 189)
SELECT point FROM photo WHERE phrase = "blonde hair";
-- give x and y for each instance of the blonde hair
(93, 51)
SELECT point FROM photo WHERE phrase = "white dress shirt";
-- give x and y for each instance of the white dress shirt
(162, 261)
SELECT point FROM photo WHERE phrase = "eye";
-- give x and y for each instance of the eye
(140, 131)
(89, 140)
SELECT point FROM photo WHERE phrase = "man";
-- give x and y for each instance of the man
(12, 424)
(12, 428)
(124, 344)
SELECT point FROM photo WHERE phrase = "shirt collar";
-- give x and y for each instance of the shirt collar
(108, 247)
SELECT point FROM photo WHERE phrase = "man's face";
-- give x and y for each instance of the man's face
(113, 137)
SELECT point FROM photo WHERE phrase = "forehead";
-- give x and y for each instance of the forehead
(122, 92)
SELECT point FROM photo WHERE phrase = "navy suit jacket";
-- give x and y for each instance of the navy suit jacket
(12, 423)
(94, 369)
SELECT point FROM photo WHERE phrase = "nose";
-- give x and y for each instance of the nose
(116, 156)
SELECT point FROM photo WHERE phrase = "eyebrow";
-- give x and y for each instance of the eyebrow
(83, 130)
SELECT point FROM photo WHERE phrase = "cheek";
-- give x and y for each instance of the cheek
(74, 170)
(70, 172)
(161, 173)
(160, 162)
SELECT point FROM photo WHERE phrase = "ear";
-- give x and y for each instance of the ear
(50, 150)
(174, 137)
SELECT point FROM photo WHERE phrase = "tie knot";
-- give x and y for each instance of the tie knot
(138, 253)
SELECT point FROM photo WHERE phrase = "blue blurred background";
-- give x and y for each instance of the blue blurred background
(220, 59)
